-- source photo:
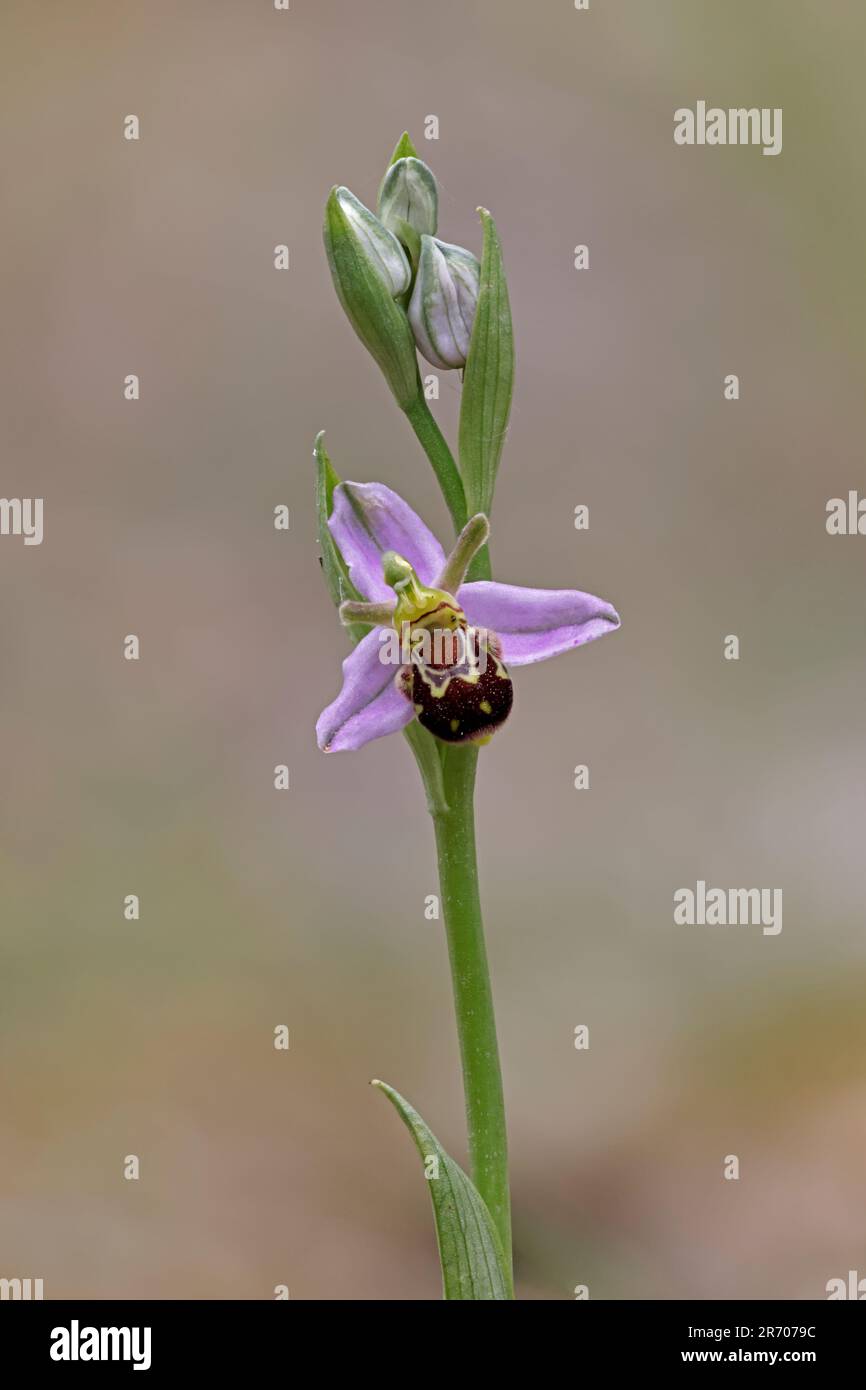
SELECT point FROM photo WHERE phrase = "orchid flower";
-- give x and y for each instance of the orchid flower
(370, 524)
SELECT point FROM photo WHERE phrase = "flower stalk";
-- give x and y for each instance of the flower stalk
(440, 457)
(473, 997)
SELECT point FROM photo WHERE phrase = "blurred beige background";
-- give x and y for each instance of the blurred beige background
(306, 908)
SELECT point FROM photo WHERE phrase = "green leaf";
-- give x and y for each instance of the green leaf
(488, 379)
(470, 1252)
(333, 565)
(404, 149)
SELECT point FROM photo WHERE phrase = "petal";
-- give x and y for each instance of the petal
(368, 518)
(536, 623)
(369, 704)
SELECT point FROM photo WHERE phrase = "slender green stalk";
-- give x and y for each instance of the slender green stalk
(435, 446)
(451, 802)
(433, 443)
(473, 1000)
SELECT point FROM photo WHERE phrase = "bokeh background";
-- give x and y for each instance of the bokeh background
(306, 907)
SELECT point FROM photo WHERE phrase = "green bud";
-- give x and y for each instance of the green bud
(442, 308)
(380, 246)
(369, 269)
(409, 198)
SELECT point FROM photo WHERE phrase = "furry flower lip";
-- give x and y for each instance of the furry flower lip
(452, 673)
(399, 568)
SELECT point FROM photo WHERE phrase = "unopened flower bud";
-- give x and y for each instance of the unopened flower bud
(442, 308)
(377, 244)
(408, 199)
(369, 269)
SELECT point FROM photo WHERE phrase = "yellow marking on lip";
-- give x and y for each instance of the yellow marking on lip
(486, 707)
(455, 725)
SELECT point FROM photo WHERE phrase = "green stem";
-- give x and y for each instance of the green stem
(473, 1000)
(433, 443)
(436, 448)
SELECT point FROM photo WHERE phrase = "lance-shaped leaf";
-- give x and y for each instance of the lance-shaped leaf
(334, 567)
(470, 1251)
(488, 380)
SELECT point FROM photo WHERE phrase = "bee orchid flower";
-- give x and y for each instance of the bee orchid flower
(408, 585)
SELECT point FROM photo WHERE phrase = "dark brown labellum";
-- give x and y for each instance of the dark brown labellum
(466, 701)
